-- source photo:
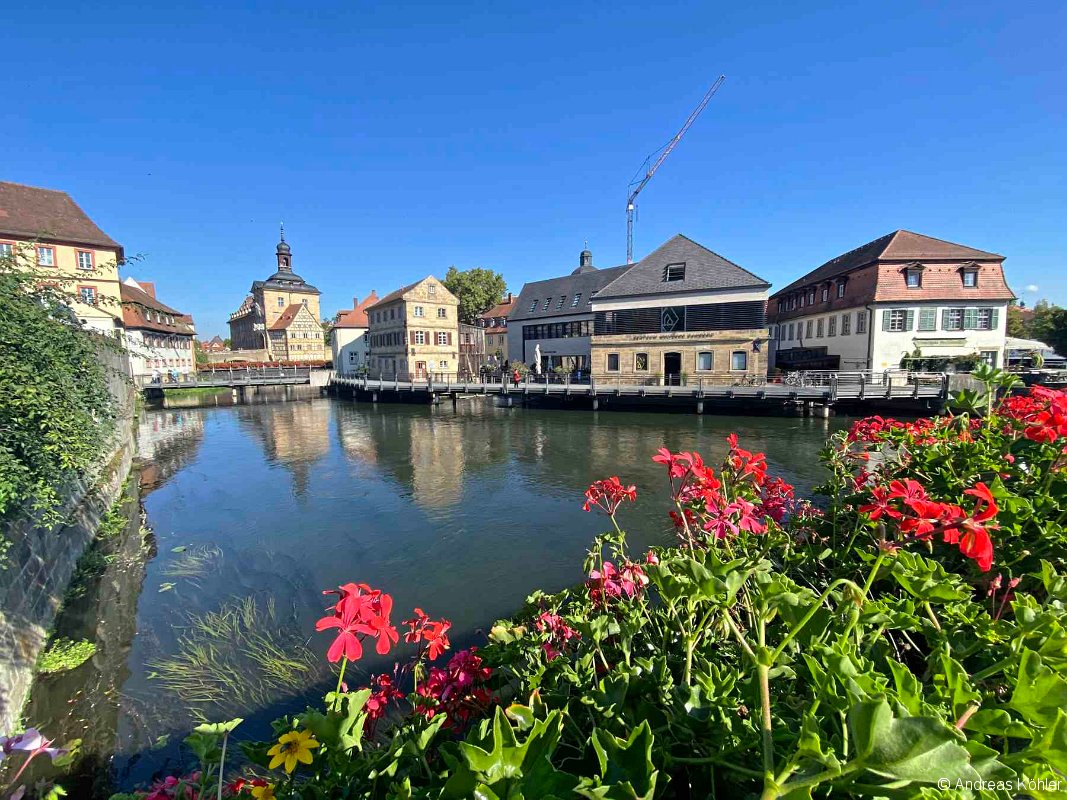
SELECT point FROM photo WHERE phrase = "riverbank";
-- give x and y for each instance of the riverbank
(39, 564)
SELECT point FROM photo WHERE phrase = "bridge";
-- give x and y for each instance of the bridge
(811, 388)
(237, 378)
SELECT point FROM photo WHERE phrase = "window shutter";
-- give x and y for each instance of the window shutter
(944, 319)
(413, 337)
(886, 317)
(994, 314)
(970, 319)
(909, 320)
(450, 338)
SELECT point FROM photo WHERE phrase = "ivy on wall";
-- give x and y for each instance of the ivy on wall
(56, 411)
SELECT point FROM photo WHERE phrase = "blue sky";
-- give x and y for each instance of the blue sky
(397, 139)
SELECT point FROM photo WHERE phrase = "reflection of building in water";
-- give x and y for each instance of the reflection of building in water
(437, 462)
(295, 435)
(167, 441)
(354, 434)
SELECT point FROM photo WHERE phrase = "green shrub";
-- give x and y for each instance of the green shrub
(55, 408)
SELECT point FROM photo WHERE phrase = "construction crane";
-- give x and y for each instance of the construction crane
(650, 167)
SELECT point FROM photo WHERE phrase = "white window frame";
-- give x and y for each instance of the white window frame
(419, 311)
(41, 250)
(442, 313)
(711, 361)
(92, 260)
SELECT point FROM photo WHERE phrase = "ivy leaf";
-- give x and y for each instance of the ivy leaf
(1052, 746)
(927, 580)
(1039, 692)
(626, 764)
(918, 749)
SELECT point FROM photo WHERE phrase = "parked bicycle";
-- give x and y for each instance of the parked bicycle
(751, 380)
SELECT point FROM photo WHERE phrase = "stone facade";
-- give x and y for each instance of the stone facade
(639, 359)
(414, 333)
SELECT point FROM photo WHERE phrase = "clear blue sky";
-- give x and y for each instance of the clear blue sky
(396, 139)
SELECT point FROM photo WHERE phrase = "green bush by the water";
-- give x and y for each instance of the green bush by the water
(55, 408)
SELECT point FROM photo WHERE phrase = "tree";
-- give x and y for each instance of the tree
(1019, 321)
(477, 289)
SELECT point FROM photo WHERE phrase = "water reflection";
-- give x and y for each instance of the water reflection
(460, 512)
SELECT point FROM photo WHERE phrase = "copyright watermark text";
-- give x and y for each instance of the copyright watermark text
(1014, 785)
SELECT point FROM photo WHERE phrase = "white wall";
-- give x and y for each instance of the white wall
(350, 349)
(851, 347)
(146, 360)
(889, 346)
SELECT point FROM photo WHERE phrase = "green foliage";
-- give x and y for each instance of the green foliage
(477, 289)
(55, 408)
(63, 655)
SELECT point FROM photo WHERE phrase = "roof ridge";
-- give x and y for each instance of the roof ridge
(944, 241)
(38, 188)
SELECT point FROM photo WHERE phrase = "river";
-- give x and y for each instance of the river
(255, 509)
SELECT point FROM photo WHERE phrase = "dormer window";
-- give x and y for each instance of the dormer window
(970, 277)
(548, 302)
(913, 276)
(674, 272)
(533, 306)
(825, 293)
(577, 299)
(841, 288)
(562, 300)
(811, 297)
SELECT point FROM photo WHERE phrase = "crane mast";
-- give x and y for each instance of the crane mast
(651, 167)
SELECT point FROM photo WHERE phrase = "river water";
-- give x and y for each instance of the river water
(255, 509)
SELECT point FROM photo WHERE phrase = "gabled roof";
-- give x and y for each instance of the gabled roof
(32, 213)
(136, 304)
(356, 317)
(403, 290)
(502, 309)
(288, 317)
(585, 283)
(704, 270)
(900, 246)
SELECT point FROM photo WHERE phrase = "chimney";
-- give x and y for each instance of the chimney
(150, 288)
(509, 297)
(355, 302)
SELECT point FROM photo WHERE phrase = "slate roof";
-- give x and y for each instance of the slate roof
(586, 282)
(900, 245)
(356, 317)
(30, 212)
(704, 270)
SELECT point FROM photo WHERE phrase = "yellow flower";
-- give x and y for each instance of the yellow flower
(292, 747)
(263, 792)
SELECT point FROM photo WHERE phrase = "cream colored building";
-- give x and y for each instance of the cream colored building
(413, 333)
(269, 318)
(46, 232)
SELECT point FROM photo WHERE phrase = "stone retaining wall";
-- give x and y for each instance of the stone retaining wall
(40, 561)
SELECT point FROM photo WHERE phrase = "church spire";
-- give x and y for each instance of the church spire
(285, 257)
